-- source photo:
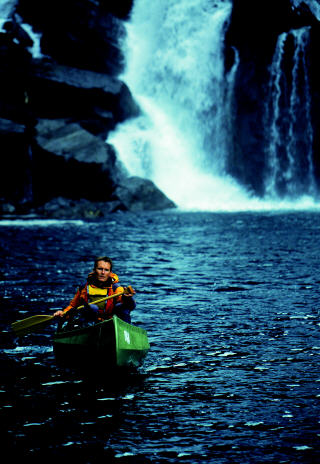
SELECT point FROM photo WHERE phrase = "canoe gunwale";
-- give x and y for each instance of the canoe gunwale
(80, 330)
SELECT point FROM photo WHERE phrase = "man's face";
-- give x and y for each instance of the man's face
(103, 271)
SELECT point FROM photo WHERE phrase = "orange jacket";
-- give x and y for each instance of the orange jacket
(112, 287)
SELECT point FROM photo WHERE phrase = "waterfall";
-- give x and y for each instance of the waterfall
(175, 70)
(174, 53)
(288, 120)
(6, 10)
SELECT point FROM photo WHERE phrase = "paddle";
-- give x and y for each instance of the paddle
(35, 323)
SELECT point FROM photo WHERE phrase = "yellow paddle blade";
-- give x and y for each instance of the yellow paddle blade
(31, 324)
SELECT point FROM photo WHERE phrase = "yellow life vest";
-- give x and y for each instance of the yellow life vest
(95, 293)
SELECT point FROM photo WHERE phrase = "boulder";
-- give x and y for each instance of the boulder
(64, 208)
(138, 194)
(69, 161)
(73, 164)
(95, 100)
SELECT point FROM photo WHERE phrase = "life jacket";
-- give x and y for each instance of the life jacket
(88, 293)
(93, 293)
(105, 307)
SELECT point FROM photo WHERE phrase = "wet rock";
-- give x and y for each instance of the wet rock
(139, 194)
(10, 127)
(62, 91)
(63, 208)
(78, 33)
(7, 208)
(69, 161)
(58, 106)
(80, 165)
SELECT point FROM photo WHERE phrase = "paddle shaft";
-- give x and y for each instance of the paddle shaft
(30, 323)
(105, 298)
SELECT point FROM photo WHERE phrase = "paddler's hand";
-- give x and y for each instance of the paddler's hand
(130, 291)
(59, 314)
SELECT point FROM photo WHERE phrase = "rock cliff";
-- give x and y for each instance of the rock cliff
(57, 106)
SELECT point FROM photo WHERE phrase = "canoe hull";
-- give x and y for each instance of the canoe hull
(112, 343)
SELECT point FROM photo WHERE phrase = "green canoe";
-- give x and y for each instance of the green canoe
(112, 343)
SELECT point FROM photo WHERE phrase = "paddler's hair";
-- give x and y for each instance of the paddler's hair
(103, 258)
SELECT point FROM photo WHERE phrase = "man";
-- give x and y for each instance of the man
(102, 282)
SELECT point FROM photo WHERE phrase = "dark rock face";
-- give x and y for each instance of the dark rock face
(70, 162)
(97, 101)
(83, 34)
(15, 173)
(56, 110)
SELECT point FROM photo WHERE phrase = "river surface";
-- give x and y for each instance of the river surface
(230, 302)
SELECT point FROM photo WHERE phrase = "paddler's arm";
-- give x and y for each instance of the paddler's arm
(74, 303)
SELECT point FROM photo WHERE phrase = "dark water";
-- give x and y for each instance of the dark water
(231, 306)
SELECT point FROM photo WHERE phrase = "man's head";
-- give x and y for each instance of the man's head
(102, 268)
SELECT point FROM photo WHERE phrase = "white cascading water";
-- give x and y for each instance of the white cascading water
(175, 71)
(290, 164)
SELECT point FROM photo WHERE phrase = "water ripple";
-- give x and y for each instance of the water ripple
(233, 321)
